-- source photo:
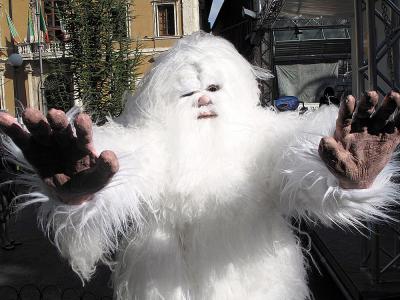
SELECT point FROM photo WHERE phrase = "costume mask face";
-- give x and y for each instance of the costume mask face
(203, 79)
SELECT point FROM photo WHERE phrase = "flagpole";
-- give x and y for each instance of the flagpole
(41, 86)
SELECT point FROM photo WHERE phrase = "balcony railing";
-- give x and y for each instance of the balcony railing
(30, 51)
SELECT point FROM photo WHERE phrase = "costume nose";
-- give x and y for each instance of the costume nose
(204, 100)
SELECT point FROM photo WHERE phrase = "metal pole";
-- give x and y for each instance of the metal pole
(16, 96)
(10, 11)
(396, 50)
(358, 49)
(41, 86)
(1, 31)
(372, 68)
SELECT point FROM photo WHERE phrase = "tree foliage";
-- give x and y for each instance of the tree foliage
(99, 53)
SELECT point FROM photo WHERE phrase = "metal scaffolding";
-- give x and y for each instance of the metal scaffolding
(268, 51)
(263, 43)
(376, 65)
(376, 59)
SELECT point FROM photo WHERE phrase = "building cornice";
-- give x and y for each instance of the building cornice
(150, 51)
(157, 38)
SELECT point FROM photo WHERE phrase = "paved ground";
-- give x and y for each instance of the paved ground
(36, 262)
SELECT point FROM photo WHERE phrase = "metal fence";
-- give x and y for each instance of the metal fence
(50, 292)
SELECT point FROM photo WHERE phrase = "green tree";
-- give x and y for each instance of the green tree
(58, 87)
(99, 53)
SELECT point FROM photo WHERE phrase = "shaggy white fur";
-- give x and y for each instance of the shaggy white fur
(199, 207)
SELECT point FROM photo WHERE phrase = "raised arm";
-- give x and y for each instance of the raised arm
(343, 172)
(88, 202)
(66, 162)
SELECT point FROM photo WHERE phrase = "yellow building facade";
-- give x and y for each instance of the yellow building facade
(156, 26)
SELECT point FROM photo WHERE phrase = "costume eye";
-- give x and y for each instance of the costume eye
(213, 88)
(188, 94)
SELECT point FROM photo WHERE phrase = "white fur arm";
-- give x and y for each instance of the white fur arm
(309, 190)
(90, 232)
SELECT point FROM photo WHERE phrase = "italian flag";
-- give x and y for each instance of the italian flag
(43, 26)
(59, 16)
(13, 31)
(30, 35)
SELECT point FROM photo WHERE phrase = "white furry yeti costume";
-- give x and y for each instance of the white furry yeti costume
(199, 208)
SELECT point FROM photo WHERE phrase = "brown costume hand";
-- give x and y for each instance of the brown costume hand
(67, 163)
(364, 139)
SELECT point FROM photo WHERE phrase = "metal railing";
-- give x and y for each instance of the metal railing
(49, 50)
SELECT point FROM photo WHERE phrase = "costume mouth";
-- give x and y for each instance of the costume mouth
(207, 115)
